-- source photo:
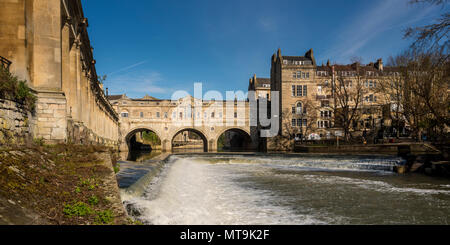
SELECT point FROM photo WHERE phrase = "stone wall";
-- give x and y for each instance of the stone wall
(49, 47)
(15, 123)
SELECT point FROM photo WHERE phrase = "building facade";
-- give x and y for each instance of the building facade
(327, 101)
(48, 45)
(171, 120)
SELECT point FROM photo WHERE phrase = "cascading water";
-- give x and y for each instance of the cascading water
(312, 189)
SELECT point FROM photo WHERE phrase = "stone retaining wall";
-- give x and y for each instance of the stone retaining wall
(16, 123)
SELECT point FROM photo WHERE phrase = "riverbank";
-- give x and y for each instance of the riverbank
(59, 185)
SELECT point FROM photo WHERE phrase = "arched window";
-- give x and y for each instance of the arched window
(299, 108)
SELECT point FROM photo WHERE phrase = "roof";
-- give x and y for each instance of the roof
(261, 81)
(148, 97)
(115, 97)
(296, 58)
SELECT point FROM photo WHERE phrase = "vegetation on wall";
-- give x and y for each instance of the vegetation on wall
(17, 90)
(151, 138)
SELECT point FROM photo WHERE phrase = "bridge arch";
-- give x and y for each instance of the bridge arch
(198, 132)
(235, 139)
(131, 133)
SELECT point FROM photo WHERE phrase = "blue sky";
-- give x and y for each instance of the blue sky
(159, 47)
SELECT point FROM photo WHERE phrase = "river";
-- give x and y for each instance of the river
(286, 190)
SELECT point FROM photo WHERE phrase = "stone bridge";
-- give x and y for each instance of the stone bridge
(167, 119)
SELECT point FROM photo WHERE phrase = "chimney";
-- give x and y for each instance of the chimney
(379, 64)
(328, 63)
(106, 92)
(310, 54)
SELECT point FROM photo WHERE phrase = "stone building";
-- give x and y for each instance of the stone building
(261, 87)
(312, 98)
(48, 44)
(171, 120)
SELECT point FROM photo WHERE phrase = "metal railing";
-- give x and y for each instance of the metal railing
(5, 63)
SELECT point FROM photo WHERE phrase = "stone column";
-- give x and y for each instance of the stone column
(44, 54)
(65, 54)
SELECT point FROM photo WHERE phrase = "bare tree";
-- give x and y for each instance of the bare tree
(348, 93)
(420, 90)
(434, 36)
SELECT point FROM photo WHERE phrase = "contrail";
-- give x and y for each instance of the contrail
(127, 68)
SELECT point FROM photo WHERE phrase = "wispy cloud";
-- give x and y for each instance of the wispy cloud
(267, 24)
(383, 16)
(127, 68)
(138, 83)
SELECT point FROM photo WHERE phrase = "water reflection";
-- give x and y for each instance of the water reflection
(139, 156)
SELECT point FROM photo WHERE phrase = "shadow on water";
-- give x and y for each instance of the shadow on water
(140, 156)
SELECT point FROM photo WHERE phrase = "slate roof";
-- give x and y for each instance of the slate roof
(115, 97)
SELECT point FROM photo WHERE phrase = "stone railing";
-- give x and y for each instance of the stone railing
(5, 63)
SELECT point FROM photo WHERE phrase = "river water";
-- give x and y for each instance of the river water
(282, 190)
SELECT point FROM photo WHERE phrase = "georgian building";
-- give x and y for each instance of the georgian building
(314, 99)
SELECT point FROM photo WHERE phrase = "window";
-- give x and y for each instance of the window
(212, 114)
(293, 90)
(299, 108)
(326, 124)
(158, 114)
(124, 114)
(293, 110)
(305, 122)
(299, 90)
(235, 115)
(305, 90)
(319, 89)
(299, 122)
(293, 122)
(181, 115)
(165, 115)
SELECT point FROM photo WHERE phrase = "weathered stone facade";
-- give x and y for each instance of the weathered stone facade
(168, 119)
(15, 123)
(48, 44)
(308, 97)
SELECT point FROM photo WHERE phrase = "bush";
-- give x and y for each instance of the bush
(17, 90)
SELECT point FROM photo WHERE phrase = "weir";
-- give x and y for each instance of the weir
(236, 189)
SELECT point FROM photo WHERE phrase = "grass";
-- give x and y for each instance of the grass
(63, 184)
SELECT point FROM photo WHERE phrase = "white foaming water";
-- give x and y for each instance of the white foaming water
(379, 186)
(202, 194)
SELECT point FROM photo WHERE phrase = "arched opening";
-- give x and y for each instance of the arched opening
(142, 143)
(189, 140)
(235, 140)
